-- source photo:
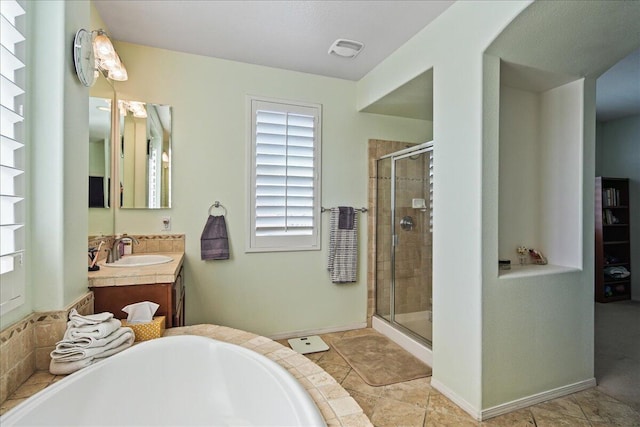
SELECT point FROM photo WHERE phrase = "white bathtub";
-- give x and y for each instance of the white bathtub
(178, 381)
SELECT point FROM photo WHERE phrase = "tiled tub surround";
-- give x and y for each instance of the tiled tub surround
(25, 345)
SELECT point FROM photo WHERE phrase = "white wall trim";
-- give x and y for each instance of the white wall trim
(535, 398)
(297, 334)
(463, 404)
(485, 414)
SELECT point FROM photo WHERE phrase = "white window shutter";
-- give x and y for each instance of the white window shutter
(284, 167)
(12, 155)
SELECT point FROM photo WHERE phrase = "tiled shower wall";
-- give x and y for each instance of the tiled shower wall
(413, 263)
(25, 345)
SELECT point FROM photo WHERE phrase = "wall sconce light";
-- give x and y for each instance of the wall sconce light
(93, 53)
(107, 59)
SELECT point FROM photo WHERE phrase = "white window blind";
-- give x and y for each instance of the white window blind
(285, 161)
(12, 155)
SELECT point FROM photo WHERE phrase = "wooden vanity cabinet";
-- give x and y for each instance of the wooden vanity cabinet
(170, 297)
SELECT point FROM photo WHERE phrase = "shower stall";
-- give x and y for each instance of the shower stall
(404, 230)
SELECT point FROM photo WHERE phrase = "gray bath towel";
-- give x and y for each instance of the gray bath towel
(214, 243)
(346, 218)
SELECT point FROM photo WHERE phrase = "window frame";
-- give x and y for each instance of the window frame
(256, 243)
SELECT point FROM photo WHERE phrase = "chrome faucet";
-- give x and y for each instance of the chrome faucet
(114, 253)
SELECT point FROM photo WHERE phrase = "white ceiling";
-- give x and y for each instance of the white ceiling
(293, 35)
(296, 35)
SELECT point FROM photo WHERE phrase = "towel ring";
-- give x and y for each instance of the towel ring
(217, 204)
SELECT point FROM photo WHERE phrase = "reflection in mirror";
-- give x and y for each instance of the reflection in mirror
(99, 152)
(145, 155)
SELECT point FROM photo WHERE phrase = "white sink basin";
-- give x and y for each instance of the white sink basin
(139, 261)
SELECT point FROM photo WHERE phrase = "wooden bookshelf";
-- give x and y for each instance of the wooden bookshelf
(612, 234)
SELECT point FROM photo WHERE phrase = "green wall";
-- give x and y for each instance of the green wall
(266, 293)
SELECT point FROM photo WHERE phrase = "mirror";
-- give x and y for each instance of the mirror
(145, 155)
(99, 152)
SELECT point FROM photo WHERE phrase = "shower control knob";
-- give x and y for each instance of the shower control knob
(406, 223)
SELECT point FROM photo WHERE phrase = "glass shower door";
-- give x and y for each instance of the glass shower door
(412, 242)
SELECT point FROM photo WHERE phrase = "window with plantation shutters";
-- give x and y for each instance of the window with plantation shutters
(12, 156)
(285, 167)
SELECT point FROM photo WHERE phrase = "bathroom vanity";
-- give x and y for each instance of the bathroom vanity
(117, 287)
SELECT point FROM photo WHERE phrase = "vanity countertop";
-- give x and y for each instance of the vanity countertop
(149, 274)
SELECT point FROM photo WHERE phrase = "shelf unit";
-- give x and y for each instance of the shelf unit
(612, 234)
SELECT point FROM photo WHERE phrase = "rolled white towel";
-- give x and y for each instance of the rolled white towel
(98, 331)
(64, 368)
(70, 345)
(78, 353)
(77, 319)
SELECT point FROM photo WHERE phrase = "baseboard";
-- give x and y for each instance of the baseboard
(483, 415)
(536, 398)
(463, 404)
(297, 334)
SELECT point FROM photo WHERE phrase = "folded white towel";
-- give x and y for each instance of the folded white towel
(98, 331)
(77, 319)
(111, 352)
(57, 367)
(78, 353)
(69, 345)
(64, 368)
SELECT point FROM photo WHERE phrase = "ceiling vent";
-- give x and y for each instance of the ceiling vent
(346, 48)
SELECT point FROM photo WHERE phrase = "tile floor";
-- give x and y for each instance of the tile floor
(416, 403)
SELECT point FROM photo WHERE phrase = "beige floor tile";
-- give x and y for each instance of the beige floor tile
(551, 419)
(339, 372)
(415, 394)
(334, 357)
(391, 413)
(353, 382)
(443, 412)
(610, 412)
(366, 401)
(562, 406)
(314, 357)
(521, 418)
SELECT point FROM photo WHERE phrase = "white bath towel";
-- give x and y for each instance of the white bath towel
(77, 319)
(57, 367)
(79, 353)
(64, 368)
(98, 331)
(69, 345)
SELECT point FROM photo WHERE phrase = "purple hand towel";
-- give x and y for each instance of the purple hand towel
(214, 243)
